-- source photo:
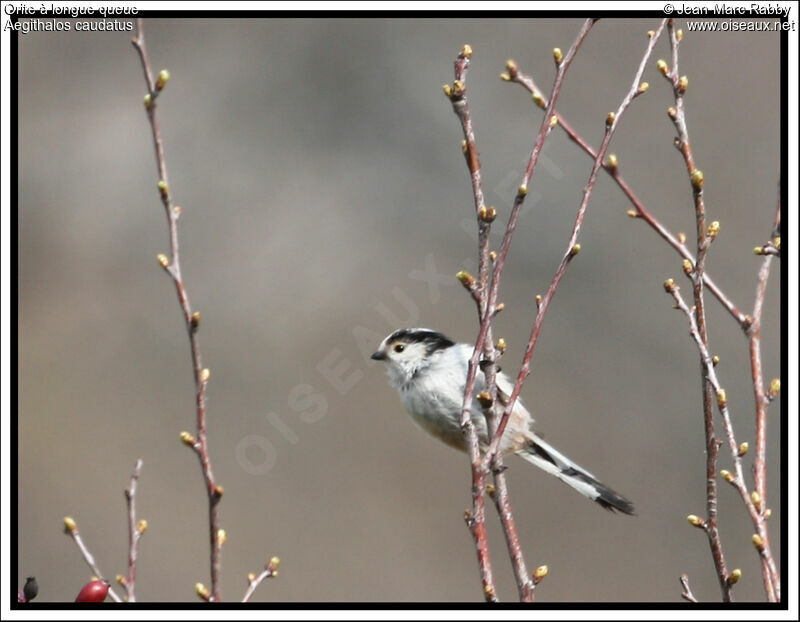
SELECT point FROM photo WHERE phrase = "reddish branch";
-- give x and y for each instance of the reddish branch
(677, 114)
(173, 268)
(640, 210)
(755, 502)
(476, 518)
(772, 581)
(135, 531)
(484, 292)
(572, 247)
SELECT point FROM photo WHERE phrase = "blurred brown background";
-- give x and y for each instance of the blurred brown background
(319, 169)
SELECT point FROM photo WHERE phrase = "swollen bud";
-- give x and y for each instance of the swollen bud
(466, 279)
(697, 179)
(487, 214)
(484, 398)
(202, 591)
(163, 78)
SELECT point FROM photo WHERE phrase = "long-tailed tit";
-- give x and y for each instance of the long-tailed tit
(430, 372)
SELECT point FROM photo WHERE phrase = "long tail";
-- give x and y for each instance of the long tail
(549, 459)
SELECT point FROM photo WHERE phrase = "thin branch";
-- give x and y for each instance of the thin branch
(752, 501)
(705, 236)
(485, 295)
(71, 528)
(772, 581)
(253, 581)
(192, 319)
(686, 592)
(641, 210)
(136, 529)
(475, 518)
(572, 245)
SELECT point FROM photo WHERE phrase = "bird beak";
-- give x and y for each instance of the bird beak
(378, 356)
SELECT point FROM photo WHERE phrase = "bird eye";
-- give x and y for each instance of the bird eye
(399, 347)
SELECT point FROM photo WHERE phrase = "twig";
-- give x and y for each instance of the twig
(686, 593)
(572, 246)
(485, 296)
(192, 319)
(753, 502)
(705, 236)
(475, 518)
(71, 528)
(640, 211)
(270, 570)
(136, 529)
(769, 571)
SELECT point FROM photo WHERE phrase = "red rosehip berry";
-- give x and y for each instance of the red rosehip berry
(93, 592)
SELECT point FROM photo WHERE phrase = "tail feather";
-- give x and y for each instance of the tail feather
(549, 459)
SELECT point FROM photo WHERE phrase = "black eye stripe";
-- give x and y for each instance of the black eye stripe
(431, 339)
